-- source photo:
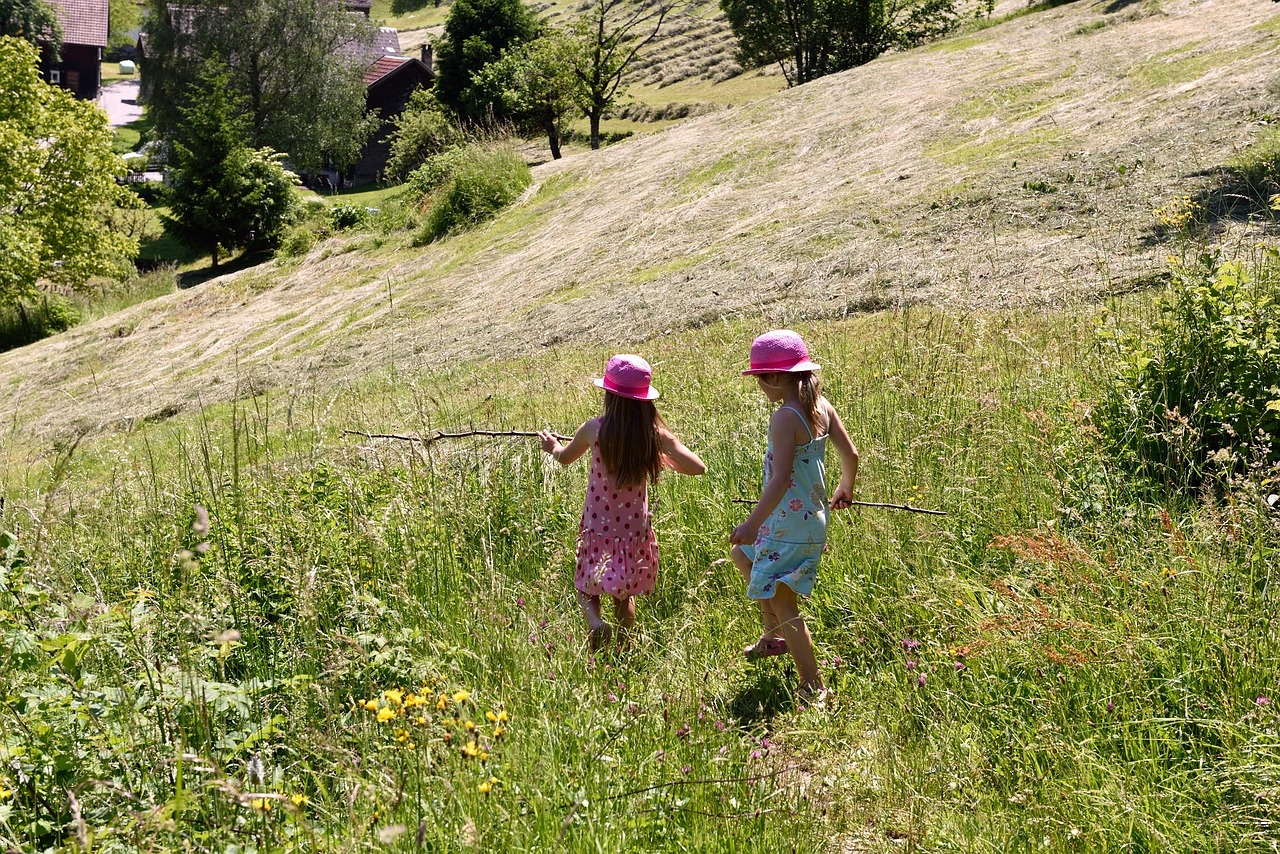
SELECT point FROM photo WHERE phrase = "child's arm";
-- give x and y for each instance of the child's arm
(677, 457)
(782, 432)
(578, 445)
(841, 498)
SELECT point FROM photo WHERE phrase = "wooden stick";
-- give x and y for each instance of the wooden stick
(440, 434)
(906, 507)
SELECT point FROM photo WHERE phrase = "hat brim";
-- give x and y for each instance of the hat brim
(794, 369)
(650, 394)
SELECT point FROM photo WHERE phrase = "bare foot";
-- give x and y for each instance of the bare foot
(767, 646)
(599, 637)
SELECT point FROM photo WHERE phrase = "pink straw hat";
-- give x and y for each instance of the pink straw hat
(628, 376)
(779, 351)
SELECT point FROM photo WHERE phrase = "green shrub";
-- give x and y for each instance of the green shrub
(297, 241)
(1196, 393)
(343, 217)
(23, 324)
(468, 186)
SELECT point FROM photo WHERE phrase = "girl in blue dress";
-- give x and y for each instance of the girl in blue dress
(778, 547)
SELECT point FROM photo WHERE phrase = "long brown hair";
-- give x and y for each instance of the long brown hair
(810, 394)
(628, 440)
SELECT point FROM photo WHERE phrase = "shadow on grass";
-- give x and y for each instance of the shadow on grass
(191, 278)
(1234, 195)
(765, 693)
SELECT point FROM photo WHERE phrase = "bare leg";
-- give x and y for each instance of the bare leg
(767, 616)
(598, 631)
(799, 642)
(624, 613)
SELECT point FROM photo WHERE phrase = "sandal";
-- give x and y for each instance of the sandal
(765, 648)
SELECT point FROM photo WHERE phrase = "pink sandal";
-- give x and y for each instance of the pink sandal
(765, 648)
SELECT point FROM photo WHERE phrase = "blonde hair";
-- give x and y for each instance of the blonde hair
(808, 388)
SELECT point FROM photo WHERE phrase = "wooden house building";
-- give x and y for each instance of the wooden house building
(84, 35)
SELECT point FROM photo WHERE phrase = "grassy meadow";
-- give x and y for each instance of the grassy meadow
(244, 630)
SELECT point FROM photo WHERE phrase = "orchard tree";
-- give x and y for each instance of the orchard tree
(58, 187)
(812, 38)
(475, 34)
(31, 20)
(226, 195)
(535, 83)
(298, 65)
(607, 39)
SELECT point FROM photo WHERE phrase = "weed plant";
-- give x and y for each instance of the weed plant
(467, 186)
(241, 630)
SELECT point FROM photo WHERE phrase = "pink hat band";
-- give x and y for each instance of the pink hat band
(780, 351)
(628, 376)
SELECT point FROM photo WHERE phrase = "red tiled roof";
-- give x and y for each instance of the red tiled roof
(382, 67)
(83, 21)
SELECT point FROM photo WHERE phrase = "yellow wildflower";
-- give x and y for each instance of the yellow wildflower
(385, 715)
(502, 716)
(5, 793)
(461, 696)
(470, 750)
(299, 800)
(262, 804)
(371, 705)
(420, 720)
(498, 732)
(485, 787)
(471, 726)
(491, 717)
(394, 696)
(440, 703)
(484, 757)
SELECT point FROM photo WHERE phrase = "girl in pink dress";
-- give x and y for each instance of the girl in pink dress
(629, 444)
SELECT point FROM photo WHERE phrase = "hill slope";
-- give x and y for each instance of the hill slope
(1015, 166)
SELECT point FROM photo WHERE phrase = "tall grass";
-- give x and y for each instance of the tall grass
(1057, 664)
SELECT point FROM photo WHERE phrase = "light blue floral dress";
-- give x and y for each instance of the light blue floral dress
(791, 540)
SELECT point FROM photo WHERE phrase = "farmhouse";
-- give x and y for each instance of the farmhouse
(84, 35)
(389, 81)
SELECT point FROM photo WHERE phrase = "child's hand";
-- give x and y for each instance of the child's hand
(842, 498)
(744, 535)
(549, 442)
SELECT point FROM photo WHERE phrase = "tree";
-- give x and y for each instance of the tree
(608, 39)
(813, 38)
(298, 64)
(57, 183)
(534, 82)
(31, 20)
(226, 194)
(422, 130)
(475, 34)
(122, 19)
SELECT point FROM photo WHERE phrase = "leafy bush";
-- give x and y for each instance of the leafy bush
(468, 186)
(347, 216)
(22, 324)
(296, 241)
(1198, 392)
(422, 131)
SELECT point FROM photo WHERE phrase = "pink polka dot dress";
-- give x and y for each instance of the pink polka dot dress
(617, 549)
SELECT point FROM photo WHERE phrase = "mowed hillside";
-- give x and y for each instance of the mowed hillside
(1018, 165)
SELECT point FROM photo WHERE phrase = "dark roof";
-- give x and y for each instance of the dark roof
(362, 6)
(385, 42)
(83, 21)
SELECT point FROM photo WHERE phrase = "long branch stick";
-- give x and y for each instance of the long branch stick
(440, 434)
(906, 507)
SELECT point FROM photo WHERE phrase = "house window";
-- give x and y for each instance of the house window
(55, 77)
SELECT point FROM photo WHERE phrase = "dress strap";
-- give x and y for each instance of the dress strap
(803, 420)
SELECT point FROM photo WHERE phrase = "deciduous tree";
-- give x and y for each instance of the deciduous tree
(535, 83)
(608, 38)
(57, 183)
(31, 20)
(475, 34)
(811, 38)
(422, 130)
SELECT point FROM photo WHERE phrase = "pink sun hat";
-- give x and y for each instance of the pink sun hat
(779, 351)
(628, 376)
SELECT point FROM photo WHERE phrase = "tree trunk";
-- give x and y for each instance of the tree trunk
(553, 139)
(594, 116)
